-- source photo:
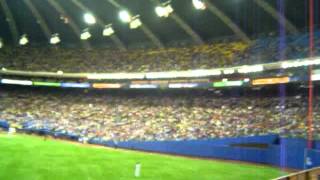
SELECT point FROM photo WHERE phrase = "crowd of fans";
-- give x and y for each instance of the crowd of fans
(152, 117)
(126, 116)
(270, 49)
(214, 55)
(104, 60)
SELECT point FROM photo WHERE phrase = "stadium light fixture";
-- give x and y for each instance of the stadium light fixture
(23, 40)
(164, 10)
(55, 39)
(89, 18)
(135, 23)
(125, 16)
(161, 12)
(1, 43)
(169, 8)
(108, 30)
(85, 35)
(199, 4)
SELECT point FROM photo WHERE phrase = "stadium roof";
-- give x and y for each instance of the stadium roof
(40, 19)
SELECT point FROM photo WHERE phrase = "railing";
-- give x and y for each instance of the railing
(169, 74)
(310, 174)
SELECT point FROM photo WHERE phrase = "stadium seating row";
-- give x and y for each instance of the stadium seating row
(125, 117)
(216, 55)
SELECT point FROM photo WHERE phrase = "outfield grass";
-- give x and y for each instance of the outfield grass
(31, 158)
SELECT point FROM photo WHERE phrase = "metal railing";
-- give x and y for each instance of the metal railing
(310, 174)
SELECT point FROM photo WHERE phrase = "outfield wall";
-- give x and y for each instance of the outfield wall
(4, 124)
(283, 152)
(317, 145)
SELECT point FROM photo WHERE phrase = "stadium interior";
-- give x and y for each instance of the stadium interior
(205, 81)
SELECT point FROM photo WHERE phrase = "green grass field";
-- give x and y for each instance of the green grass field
(25, 157)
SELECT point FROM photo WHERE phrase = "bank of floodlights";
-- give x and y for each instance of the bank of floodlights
(108, 30)
(55, 39)
(199, 4)
(164, 10)
(85, 35)
(24, 40)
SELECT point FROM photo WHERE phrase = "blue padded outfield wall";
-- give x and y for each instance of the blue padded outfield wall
(4, 124)
(317, 145)
(283, 152)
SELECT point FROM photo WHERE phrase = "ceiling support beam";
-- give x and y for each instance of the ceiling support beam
(273, 12)
(152, 36)
(146, 30)
(101, 23)
(44, 26)
(75, 28)
(184, 25)
(11, 21)
(187, 28)
(227, 21)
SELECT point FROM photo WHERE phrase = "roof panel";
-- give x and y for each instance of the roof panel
(246, 14)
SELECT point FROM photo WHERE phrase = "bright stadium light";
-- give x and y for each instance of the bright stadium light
(89, 18)
(85, 35)
(168, 8)
(161, 12)
(164, 10)
(1, 43)
(199, 4)
(108, 30)
(23, 40)
(125, 16)
(55, 39)
(135, 23)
